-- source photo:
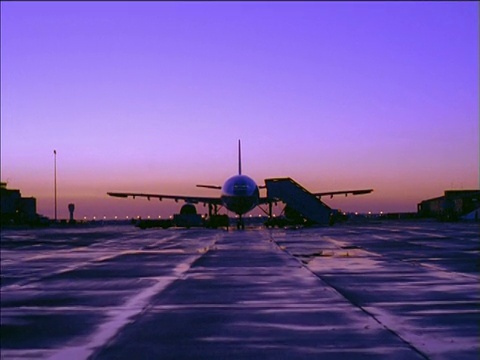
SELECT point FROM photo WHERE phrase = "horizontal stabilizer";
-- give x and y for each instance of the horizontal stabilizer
(210, 186)
(118, 195)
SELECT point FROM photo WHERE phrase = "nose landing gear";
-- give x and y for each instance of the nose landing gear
(240, 223)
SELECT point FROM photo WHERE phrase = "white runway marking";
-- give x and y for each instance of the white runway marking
(120, 316)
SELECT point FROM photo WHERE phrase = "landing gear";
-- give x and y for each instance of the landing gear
(240, 223)
(212, 209)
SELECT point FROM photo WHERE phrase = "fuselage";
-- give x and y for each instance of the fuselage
(240, 194)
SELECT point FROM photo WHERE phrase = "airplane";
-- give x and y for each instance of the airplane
(239, 194)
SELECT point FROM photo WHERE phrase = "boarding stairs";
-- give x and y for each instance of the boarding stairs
(298, 198)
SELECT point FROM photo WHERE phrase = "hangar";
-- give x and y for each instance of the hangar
(451, 206)
(16, 209)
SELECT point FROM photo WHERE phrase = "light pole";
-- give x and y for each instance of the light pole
(55, 180)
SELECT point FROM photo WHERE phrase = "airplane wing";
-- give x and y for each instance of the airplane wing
(343, 192)
(267, 200)
(189, 199)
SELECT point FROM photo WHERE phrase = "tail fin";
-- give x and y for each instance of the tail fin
(239, 158)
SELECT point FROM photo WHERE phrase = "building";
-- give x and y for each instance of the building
(15, 209)
(451, 206)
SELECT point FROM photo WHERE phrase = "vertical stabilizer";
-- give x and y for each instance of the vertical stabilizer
(239, 159)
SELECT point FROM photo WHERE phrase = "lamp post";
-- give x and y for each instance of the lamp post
(55, 180)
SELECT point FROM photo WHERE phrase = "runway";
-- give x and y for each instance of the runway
(396, 290)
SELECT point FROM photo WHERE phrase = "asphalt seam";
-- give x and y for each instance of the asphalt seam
(353, 302)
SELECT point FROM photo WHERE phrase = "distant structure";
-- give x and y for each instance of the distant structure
(454, 204)
(16, 209)
(71, 209)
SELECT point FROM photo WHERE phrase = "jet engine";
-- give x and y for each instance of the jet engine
(188, 209)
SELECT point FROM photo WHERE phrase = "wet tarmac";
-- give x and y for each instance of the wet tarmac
(396, 290)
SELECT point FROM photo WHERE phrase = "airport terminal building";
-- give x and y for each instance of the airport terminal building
(14, 208)
(454, 204)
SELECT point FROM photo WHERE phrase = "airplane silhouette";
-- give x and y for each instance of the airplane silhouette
(239, 194)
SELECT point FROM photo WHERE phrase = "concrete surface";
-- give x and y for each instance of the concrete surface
(396, 290)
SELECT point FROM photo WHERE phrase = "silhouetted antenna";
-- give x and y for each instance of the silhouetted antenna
(239, 158)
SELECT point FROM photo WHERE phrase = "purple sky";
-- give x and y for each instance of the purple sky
(152, 96)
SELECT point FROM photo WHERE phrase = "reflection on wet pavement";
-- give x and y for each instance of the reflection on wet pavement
(392, 290)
